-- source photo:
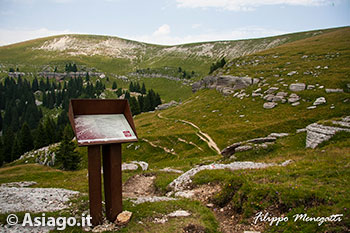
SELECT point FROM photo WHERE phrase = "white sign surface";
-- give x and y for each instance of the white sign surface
(102, 128)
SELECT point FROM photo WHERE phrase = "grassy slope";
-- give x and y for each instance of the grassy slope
(315, 183)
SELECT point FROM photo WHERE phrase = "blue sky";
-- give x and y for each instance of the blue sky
(169, 21)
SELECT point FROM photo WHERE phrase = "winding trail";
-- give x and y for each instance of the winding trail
(203, 136)
(161, 147)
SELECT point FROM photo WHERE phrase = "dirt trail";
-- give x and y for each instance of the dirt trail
(161, 147)
(139, 185)
(203, 136)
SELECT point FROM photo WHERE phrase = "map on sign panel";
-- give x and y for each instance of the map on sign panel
(103, 128)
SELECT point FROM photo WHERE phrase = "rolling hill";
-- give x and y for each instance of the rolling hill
(192, 134)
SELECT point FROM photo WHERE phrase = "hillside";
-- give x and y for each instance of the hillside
(224, 193)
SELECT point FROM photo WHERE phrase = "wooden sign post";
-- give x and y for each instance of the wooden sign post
(107, 124)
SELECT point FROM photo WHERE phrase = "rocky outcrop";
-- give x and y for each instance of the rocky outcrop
(317, 133)
(226, 84)
(167, 105)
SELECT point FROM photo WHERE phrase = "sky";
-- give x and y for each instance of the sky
(168, 22)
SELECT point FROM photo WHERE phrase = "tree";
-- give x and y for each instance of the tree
(16, 150)
(114, 86)
(131, 87)
(143, 89)
(8, 142)
(66, 155)
(0, 123)
(134, 106)
(40, 137)
(25, 139)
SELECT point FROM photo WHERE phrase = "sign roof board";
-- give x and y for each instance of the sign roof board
(101, 121)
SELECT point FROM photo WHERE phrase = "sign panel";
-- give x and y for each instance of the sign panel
(102, 128)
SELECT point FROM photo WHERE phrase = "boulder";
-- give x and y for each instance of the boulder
(123, 218)
(292, 73)
(230, 150)
(297, 86)
(282, 94)
(293, 98)
(243, 148)
(320, 100)
(295, 103)
(269, 97)
(269, 105)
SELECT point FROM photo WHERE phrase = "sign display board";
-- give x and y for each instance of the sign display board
(101, 128)
(103, 124)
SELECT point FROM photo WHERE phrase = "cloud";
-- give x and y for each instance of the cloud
(239, 33)
(13, 36)
(245, 5)
(162, 30)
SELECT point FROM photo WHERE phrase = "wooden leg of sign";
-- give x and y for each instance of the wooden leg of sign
(112, 176)
(95, 195)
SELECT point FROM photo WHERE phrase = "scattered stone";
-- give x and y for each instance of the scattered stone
(140, 200)
(257, 90)
(269, 105)
(262, 140)
(278, 135)
(292, 73)
(338, 90)
(297, 86)
(257, 95)
(167, 169)
(320, 100)
(295, 104)
(269, 97)
(311, 107)
(293, 98)
(210, 205)
(282, 94)
(310, 87)
(271, 90)
(123, 218)
(142, 164)
(185, 194)
(129, 167)
(179, 213)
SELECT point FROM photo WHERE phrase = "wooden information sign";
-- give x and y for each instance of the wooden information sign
(107, 124)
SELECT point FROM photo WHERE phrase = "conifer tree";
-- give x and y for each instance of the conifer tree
(8, 142)
(66, 156)
(114, 86)
(134, 106)
(25, 139)
(40, 137)
(16, 150)
(143, 89)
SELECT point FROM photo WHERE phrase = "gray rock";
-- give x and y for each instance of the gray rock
(230, 150)
(224, 83)
(292, 73)
(269, 97)
(269, 105)
(295, 104)
(320, 100)
(317, 133)
(277, 99)
(243, 148)
(338, 90)
(282, 94)
(167, 105)
(179, 213)
(297, 86)
(262, 140)
(301, 130)
(278, 135)
(271, 90)
(293, 98)
(311, 107)
(310, 87)
(257, 95)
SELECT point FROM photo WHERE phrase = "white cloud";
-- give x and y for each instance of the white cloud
(162, 30)
(245, 5)
(239, 33)
(19, 35)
